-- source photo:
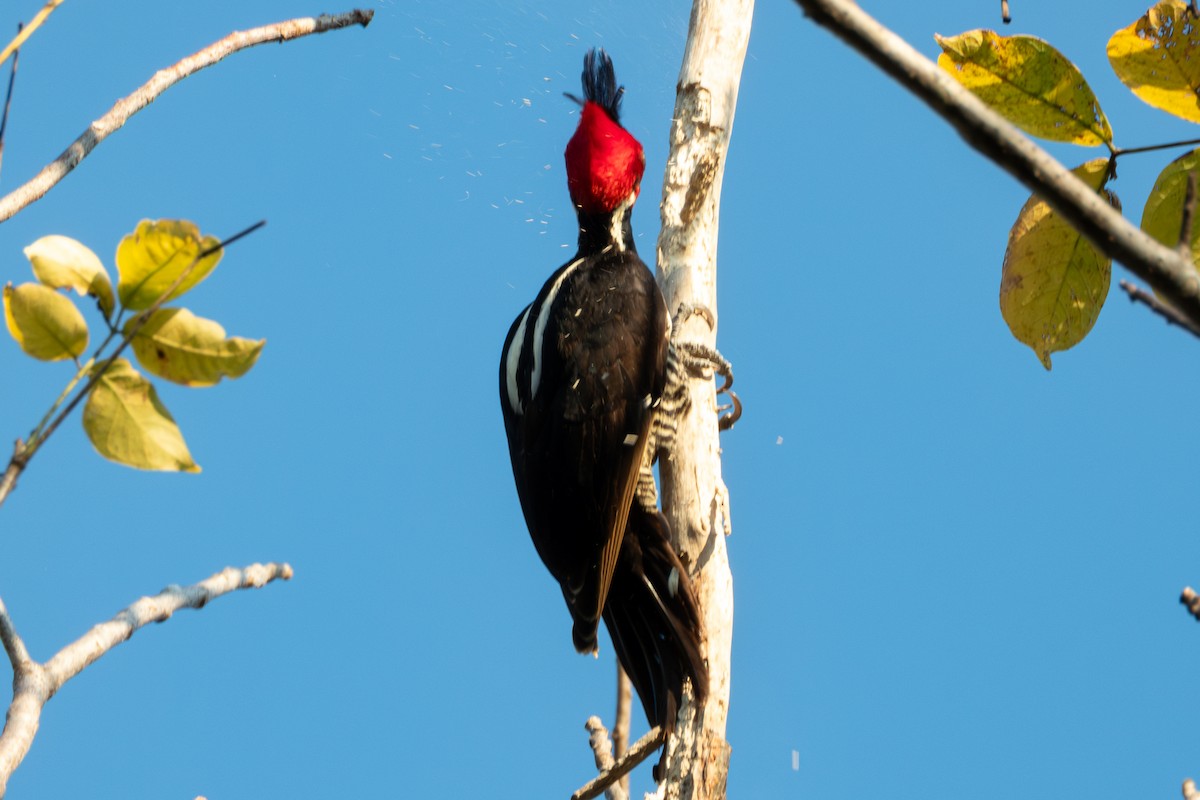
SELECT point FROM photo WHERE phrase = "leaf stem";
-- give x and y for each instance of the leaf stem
(1120, 151)
(1114, 152)
(162, 80)
(35, 436)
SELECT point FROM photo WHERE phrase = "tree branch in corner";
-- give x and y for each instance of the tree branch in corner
(164, 79)
(1170, 272)
(35, 683)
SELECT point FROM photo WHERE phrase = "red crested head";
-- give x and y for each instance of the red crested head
(604, 162)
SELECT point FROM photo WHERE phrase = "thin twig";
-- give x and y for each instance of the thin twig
(602, 753)
(1150, 148)
(16, 465)
(27, 31)
(25, 451)
(84, 370)
(641, 749)
(125, 108)
(12, 79)
(1139, 295)
(1117, 152)
(34, 684)
(620, 732)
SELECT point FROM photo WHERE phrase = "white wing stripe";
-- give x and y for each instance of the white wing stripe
(539, 328)
(511, 361)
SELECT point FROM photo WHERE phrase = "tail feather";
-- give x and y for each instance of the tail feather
(654, 620)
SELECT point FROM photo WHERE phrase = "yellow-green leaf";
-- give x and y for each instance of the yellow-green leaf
(1158, 58)
(1029, 83)
(46, 324)
(1163, 215)
(177, 345)
(1054, 281)
(152, 258)
(127, 423)
(60, 262)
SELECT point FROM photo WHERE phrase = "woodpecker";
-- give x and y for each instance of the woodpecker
(582, 376)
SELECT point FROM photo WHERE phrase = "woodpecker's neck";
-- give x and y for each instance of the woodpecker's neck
(599, 230)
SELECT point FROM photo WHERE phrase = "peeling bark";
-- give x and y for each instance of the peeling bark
(695, 499)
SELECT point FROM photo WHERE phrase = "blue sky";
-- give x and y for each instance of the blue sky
(955, 574)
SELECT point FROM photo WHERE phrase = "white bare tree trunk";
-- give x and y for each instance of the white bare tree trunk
(694, 496)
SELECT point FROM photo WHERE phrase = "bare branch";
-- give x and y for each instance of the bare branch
(641, 750)
(620, 733)
(16, 465)
(34, 684)
(13, 645)
(125, 108)
(1139, 295)
(598, 740)
(30, 692)
(1172, 275)
(602, 751)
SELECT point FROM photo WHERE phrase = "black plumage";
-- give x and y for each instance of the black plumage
(581, 375)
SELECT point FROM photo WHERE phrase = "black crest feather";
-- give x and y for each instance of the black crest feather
(600, 83)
